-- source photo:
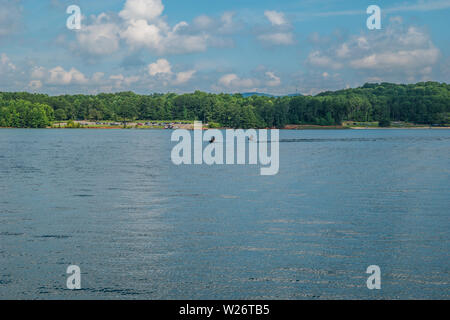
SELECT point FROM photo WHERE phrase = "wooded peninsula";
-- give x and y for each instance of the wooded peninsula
(426, 103)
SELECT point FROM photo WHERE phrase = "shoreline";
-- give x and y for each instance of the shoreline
(399, 128)
(224, 128)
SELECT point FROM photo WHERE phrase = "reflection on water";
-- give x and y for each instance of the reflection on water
(113, 203)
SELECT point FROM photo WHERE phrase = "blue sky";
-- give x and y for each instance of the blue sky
(277, 47)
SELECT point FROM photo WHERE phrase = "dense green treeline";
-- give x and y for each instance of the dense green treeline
(422, 103)
(25, 114)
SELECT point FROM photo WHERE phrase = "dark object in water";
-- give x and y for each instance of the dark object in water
(212, 139)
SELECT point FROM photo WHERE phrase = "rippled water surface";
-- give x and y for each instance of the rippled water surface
(139, 227)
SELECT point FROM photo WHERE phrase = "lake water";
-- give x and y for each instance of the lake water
(139, 227)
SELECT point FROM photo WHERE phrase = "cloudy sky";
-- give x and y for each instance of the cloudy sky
(278, 47)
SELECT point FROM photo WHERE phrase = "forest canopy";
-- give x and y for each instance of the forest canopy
(421, 103)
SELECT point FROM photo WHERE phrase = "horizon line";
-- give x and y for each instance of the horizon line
(231, 93)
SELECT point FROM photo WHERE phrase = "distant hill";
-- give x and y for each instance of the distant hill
(259, 94)
(294, 95)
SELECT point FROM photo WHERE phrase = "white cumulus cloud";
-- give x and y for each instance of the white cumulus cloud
(59, 76)
(233, 81)
(183, 77)
(6, 64)
(280, 31)
(35, 84)
(274, 80)
(141, 25)
(163, 69)
(142, 9)
(395, 53)
(99, 38)
(160, 66)
(278, 38)
(276, 18)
